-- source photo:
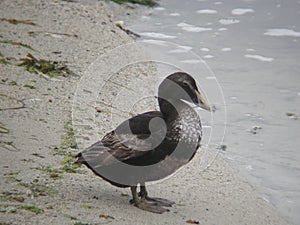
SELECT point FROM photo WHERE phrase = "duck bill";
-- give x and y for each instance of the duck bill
(202, 103)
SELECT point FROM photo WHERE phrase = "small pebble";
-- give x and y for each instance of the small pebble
(254, 129)
(292, 115)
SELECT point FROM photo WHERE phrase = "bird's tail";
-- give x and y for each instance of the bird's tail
(80, 160)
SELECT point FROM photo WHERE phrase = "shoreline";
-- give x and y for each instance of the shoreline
(39, 185)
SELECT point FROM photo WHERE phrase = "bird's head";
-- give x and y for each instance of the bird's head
(182, 86)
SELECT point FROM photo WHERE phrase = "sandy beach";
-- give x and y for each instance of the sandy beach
(39, 184)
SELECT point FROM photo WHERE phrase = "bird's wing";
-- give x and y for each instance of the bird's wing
(132, 139)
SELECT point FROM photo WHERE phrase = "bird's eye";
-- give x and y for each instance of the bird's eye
(185, 83)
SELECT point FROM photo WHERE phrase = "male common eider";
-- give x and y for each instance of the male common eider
(152, 145)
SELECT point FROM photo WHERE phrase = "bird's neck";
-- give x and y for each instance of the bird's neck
(171, 108)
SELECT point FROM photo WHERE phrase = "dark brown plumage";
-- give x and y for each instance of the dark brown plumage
(152, 145)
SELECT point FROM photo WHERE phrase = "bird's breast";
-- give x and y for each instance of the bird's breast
(186, 128)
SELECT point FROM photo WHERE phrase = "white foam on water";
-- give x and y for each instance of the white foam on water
(181, 49)
(156, 42)
(226, 49)
(208, 56)
(191, 61)
(222, 29)
(228, 21)
(250, 50)
(218, 3)
(260, 58)
(204, 49)
(192, 28)
(282, 32)
(207, 11)
(157, 35)
(240, 11)
(175, 14)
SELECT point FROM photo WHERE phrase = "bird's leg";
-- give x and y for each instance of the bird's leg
(157, 201)
(144, 205)
(135, 198)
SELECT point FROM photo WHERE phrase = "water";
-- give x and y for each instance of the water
(253, 48)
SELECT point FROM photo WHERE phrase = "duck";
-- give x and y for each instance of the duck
(153, 145)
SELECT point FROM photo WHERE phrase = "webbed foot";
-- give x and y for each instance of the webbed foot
(150, 207)
(160, 201)
(149, 204)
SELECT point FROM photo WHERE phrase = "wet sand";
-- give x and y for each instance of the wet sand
(38, 185)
